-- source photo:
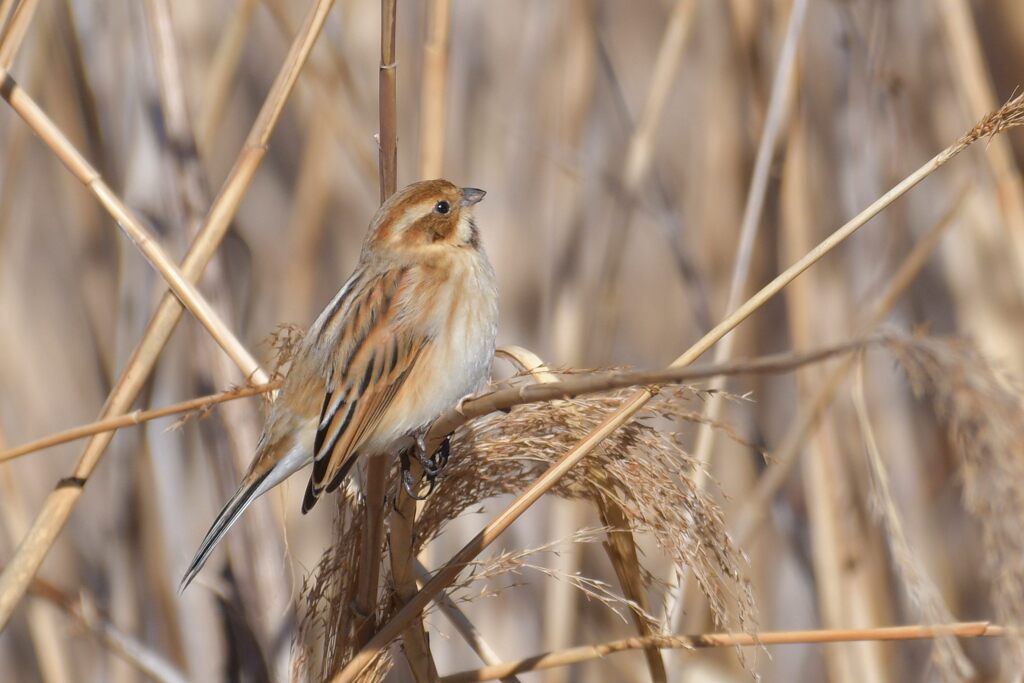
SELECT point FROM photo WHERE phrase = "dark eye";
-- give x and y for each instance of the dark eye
(442, 207)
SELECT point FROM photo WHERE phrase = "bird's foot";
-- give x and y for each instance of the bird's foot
(408, 483)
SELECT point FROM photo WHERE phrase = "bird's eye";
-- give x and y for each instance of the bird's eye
(442, 207)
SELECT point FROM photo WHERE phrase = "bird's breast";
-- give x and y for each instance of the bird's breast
(463, 319)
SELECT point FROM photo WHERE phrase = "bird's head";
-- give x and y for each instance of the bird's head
(428, 214)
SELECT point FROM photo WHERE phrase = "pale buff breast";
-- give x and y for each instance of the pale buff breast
(464, 321)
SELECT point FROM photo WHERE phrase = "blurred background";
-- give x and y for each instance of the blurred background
(617, 142)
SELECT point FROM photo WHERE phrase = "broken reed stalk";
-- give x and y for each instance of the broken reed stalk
(57, 508)
(549, 660)
(478, 406)
(1009, 115)
(146, 242)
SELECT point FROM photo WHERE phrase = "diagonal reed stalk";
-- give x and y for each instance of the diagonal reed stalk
(1008, 116)
(58, 506)
(176, 279)
(495, 400)
(548, 660)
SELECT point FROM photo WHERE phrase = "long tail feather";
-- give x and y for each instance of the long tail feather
(229, 514)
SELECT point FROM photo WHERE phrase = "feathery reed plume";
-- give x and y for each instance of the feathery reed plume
(639, 468)
(981, 409)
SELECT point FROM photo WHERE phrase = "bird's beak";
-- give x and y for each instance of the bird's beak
(471, 195)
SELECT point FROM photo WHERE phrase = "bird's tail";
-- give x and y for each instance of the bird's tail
(247, 492)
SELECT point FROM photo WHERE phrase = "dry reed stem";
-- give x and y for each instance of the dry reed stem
(779, 107)
(434, 93)
(175, 278)
(757, 502)
(402, 543)
(5, 11)
(136, 417)
(14, 32)
(58, 506)
(388, 101)
(368, 577)
(969, 629)
(775, 121)
(1010, 115)
(328, 97)
(502, 399)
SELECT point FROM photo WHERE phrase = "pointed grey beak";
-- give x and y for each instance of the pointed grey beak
(471, 195)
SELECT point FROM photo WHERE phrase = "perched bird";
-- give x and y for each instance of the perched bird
(408, 335)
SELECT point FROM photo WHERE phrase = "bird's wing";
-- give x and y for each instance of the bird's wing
(364, 373)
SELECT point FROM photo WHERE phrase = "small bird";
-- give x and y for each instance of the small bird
(410, 333)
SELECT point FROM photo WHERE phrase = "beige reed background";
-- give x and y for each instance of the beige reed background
(650, 167)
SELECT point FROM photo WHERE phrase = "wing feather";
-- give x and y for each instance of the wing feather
(363, 378)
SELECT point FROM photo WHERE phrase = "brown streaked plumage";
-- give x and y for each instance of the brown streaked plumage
(408, 335)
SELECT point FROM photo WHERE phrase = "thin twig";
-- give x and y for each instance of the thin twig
(548, 660)
(136, 417)
(638, 160)
(1011, 114)
(57, 508)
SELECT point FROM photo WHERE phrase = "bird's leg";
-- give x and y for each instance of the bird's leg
(427, 462)
(407, 482)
